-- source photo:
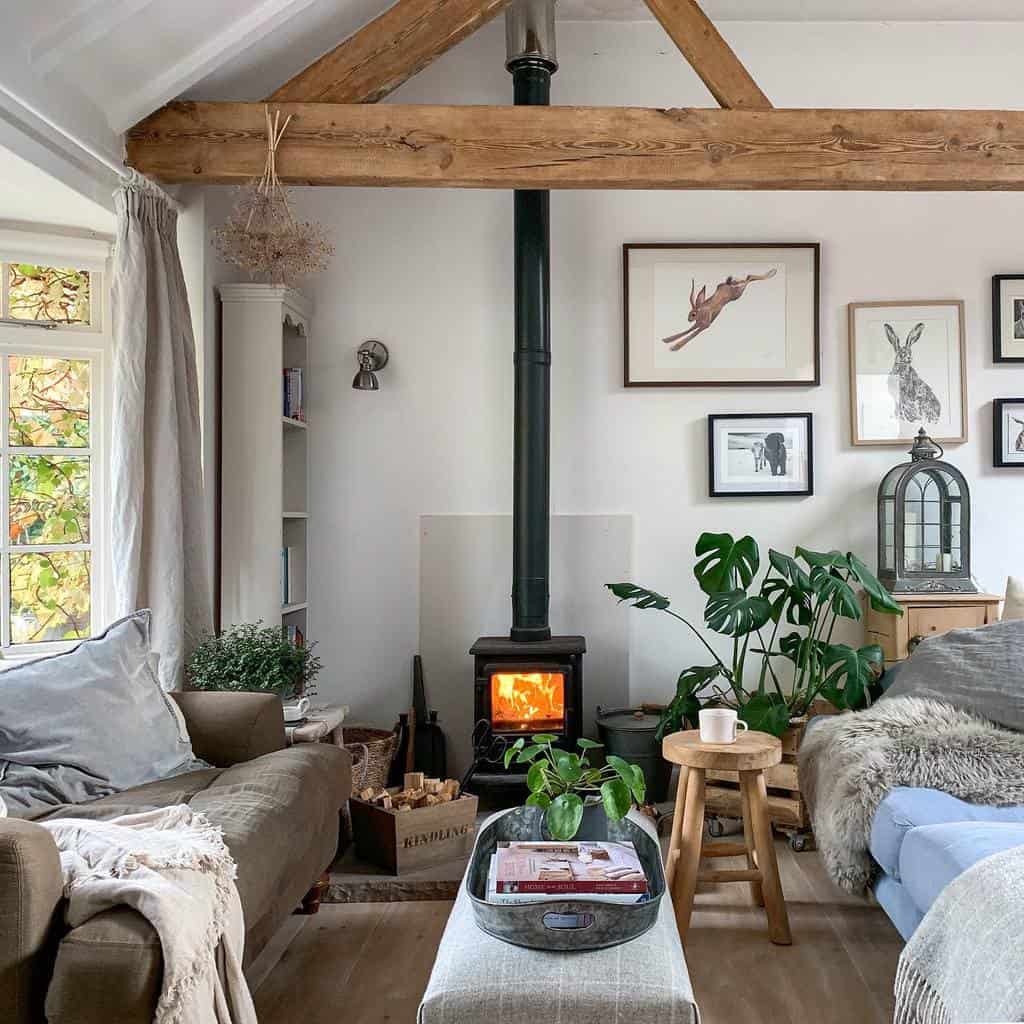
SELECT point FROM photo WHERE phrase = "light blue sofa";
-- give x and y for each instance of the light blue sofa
(923, 838)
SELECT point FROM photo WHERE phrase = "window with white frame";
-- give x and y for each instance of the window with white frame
(52, 366)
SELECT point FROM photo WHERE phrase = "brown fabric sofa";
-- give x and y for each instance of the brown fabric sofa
(278, 808)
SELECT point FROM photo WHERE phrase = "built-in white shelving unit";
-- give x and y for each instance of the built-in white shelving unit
(264, 457)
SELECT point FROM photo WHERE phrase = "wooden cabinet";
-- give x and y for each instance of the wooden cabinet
(926, 615)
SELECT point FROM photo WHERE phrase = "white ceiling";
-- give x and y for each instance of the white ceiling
(128, 57)
(31, 195)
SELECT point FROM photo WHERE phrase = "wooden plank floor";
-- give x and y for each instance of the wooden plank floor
(368, 963)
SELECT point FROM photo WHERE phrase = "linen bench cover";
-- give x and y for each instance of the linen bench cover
(480, 978)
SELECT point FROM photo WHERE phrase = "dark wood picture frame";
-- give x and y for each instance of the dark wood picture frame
(808, 419)
(997, 317)
(998, 437)
(815, 248)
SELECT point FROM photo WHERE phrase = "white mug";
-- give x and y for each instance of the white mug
(295, 711)
(719, 725)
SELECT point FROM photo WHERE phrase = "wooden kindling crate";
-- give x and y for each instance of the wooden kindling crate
(404, 841)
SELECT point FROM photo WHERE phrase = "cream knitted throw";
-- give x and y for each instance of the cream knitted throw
(170, 865)
(965, 962)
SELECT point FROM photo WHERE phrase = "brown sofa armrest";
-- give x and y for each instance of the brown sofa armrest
(31, 893)
(227, 728)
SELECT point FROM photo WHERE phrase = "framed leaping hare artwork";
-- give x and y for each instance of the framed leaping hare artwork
(907, 371)
(1008, 318)
(1008, 433)
(708, 314)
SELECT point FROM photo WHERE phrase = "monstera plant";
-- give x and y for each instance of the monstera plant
(788, 617)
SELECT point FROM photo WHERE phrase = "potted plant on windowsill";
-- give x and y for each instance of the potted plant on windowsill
(577, 798)
(802, 598)
(253, 657)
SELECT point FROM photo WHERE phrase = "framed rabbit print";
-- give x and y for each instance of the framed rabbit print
(1008, 433)
(708, 314)
(1008, 318)
(907, 371)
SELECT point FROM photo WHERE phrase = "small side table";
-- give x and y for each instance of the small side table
(323, 724)
(749, 756)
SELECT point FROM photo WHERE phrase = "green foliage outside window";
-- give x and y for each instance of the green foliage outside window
(57, 294)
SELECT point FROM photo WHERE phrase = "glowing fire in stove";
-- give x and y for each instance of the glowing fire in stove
(528, 701)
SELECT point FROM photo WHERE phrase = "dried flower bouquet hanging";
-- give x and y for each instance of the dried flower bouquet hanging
(262, 235)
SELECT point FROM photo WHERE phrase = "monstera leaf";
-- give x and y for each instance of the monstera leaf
(850, 673)
(766, 712)
(803, 650)
(640, 596)
(822, 559)
(881, 599)
(733, 613)
(724, 563)
(831, 587)
(685, 706)
(789, 591)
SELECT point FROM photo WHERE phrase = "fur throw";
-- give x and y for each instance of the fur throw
(848, 763)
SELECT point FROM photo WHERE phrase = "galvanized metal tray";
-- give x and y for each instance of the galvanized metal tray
(576, 924)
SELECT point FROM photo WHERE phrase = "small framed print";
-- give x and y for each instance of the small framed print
(1008, 318)
(760, 454)
(1008, 432)
(907, 371)
(708, 314)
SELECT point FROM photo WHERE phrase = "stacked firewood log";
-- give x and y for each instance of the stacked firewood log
(416, 791)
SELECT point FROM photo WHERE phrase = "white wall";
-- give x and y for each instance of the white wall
(429, 273)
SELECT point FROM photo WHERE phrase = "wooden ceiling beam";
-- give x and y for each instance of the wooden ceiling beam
(388, 51)
(709, 54)
(588, 147)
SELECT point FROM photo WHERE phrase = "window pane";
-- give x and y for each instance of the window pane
(49, 402)
(49, 499)
(50, 596)
(56, 294)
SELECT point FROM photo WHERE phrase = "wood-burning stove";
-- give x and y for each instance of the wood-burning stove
(521, 689)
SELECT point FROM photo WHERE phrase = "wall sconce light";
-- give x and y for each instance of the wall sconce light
(372, 356)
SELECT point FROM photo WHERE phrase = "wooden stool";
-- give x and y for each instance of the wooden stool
(749, 755)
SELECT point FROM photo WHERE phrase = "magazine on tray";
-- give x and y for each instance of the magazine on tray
(577, 867)
(512, 898)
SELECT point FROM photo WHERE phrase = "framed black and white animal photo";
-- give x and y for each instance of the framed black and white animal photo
(1008, 433)
(1008, 318)
(760, 454)
(721, 315)
(907, 371)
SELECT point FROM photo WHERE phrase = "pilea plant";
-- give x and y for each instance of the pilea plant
(803, 602)
(561, 782)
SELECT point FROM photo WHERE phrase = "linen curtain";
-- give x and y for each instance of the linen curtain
(159, 554)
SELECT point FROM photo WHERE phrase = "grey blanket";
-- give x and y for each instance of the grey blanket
(849, 762)
(963, 962)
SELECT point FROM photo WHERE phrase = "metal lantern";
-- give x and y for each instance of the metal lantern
(924, 525)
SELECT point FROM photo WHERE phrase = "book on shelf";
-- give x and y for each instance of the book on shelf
(293, 396)
(578, 867)
(291, 575)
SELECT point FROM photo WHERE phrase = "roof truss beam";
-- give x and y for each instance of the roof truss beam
(709, 54)
(388, 51)
(587, 147)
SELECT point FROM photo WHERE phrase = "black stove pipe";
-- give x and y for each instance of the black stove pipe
(530, 36)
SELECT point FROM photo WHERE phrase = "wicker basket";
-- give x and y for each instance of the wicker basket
(372, 751)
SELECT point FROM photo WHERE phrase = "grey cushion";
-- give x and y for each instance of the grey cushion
(480, 978)
(979, 670)
(86, 723)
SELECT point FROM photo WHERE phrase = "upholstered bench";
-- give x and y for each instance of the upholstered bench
(480, 978)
